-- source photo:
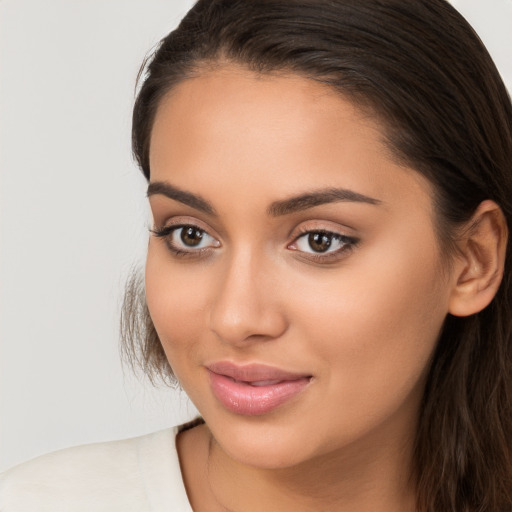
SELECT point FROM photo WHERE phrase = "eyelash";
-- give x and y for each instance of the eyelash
(349, 243)
(166, 233)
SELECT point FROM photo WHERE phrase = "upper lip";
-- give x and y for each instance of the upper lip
(253, 372)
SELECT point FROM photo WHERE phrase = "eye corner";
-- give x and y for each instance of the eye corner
(160, 231)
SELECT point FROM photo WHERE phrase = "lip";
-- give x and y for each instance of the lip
(254, 389)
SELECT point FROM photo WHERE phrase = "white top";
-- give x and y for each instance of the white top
(141, 474)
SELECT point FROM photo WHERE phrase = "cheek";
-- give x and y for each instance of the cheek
(373, 330)
(176, 303)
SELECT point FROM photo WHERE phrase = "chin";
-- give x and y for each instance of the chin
(264, 454)
(261, 442)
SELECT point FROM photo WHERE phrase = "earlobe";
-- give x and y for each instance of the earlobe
(480, 265)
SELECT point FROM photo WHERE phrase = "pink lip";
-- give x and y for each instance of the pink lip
(254, 389)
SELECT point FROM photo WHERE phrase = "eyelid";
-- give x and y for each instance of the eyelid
(326, 226)
(171, 228)
(182, 220)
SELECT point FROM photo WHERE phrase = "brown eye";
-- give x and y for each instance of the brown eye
(186, 239)
(191, 236)
(323, 243)
(320, 242)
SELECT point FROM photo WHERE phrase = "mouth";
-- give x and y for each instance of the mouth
(254, 389)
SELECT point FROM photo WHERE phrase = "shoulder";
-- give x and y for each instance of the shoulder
(119, 475)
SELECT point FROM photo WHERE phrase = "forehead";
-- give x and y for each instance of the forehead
(239, 103)
(234, 128)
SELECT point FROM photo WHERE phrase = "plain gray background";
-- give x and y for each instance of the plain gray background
(73, 218)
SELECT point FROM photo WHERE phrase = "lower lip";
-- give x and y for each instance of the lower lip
(243, 398)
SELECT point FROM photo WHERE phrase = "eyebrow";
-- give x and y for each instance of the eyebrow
(172, 192)
(317, 198)
(276, 209)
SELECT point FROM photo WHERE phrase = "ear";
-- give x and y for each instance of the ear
(480, 263)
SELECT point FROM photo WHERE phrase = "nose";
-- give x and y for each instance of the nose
(245, 306)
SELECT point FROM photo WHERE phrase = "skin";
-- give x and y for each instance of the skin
(363, 323)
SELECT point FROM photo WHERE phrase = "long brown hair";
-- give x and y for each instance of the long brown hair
(420, 68)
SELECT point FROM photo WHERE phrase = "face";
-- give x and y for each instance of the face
(294, 276)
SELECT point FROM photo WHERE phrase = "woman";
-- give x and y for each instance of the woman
(328, 275)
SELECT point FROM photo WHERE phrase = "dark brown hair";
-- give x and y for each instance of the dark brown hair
(422, 71)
